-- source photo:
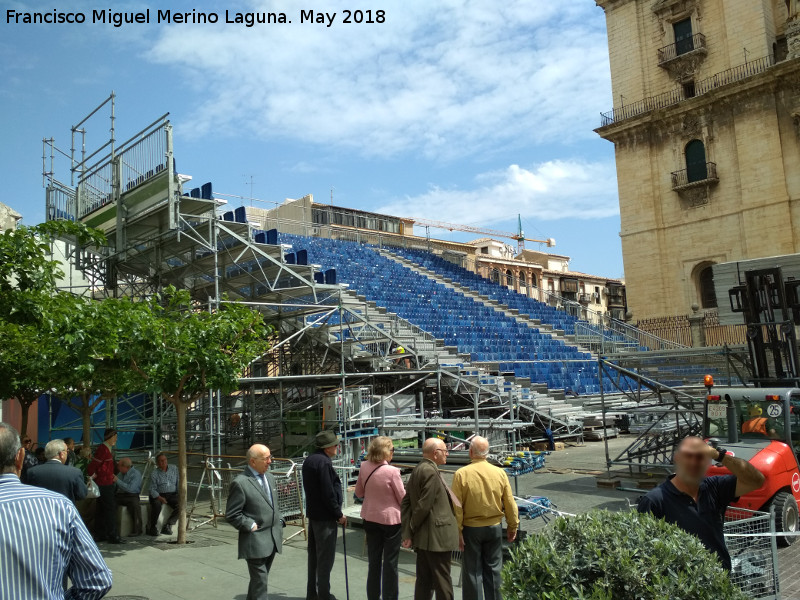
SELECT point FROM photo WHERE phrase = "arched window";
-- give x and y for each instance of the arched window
(522, 280)
(495, 276)
(509, 278)
(705, 287)
(696, 168)
(533, 280)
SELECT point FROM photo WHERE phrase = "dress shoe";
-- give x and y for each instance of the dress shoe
(116, 540)
(152, 531)
(166, 530)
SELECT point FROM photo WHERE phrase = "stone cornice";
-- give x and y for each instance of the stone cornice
(784, 75)
(607, 5)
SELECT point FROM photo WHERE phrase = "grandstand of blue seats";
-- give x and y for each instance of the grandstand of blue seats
(475, 329)
(486, 335)
(528, 306)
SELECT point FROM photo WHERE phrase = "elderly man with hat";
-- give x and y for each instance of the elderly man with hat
(101, 469)
(324, 510)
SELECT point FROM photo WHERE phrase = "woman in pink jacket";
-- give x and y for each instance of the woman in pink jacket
(380, 486)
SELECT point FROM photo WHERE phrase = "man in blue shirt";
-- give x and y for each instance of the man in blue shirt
(697, 503)
(163, 490)
(129, 486)
(42, 538)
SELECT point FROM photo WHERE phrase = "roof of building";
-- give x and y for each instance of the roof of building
(5, 208)
(484, 240)
(528, 251)
(582, 275)
(360, 211)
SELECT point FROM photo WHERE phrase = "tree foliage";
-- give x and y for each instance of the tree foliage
(31, 309)
(90, 337)
(28, 272)
(615, 556)
(182, 353)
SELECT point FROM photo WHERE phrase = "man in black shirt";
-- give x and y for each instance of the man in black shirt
(324, 510)
(697, 503)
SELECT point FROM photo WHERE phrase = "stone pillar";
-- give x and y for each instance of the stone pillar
(696, 327)
(793, 38)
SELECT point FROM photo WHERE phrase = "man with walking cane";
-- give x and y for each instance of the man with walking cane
(324, 510)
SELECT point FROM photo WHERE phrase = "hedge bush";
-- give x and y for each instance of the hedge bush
(615, 556)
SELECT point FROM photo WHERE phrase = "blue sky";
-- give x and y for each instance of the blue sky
(462, 111)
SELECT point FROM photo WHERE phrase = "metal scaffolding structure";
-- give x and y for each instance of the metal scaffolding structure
(332, 360)
(661, 394)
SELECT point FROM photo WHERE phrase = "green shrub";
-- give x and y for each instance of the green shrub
(615, 556)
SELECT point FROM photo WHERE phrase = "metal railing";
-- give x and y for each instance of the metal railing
(141, 157)
(681, 47)
(686, 177)
(144, 158)
(749, 68)
(61, 202)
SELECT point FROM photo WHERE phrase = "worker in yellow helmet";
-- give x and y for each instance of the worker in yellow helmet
(758, 423)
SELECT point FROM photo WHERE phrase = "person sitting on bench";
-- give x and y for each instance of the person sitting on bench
(129, 486)
(163, 490)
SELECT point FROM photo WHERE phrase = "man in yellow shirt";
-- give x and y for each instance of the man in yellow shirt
(485, 496)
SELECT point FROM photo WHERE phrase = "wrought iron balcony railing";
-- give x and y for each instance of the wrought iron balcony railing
(700, 174)
(743, 71)
(681, 47)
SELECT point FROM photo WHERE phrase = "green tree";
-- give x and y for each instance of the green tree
(183, 352)
(615, 556)
(90, 335)
(27, 362)
(31, 307)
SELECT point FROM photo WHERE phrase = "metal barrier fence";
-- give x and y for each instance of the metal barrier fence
(217, 480)
(750, 537)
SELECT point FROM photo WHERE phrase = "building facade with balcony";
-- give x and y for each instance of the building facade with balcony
(706, 128)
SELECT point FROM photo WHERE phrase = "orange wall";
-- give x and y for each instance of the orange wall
(12, 414)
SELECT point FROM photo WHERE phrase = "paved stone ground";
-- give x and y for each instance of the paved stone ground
(207, 569)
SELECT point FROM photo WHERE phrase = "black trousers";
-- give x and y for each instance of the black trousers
(321, 554)
(155, 509)
(259, 573)
(133, 504)
(433, 576)
(105, 518)
(383, 553)
(483, 562)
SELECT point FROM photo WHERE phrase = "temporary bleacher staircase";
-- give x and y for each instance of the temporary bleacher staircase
(534, 404)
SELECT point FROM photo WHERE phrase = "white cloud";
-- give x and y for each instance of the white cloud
(447, 79)
(551, 190)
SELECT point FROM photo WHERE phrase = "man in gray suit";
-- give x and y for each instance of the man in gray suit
(55, 476)
(253, 510)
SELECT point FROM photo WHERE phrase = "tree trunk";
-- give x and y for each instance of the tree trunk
(180, 412)
(86, 418)
(25, 405)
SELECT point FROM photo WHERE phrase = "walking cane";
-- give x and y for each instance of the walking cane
(344, 549)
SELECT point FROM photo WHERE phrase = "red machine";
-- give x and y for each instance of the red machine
(759, 425)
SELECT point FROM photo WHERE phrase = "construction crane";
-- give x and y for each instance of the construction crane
(519, 236)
